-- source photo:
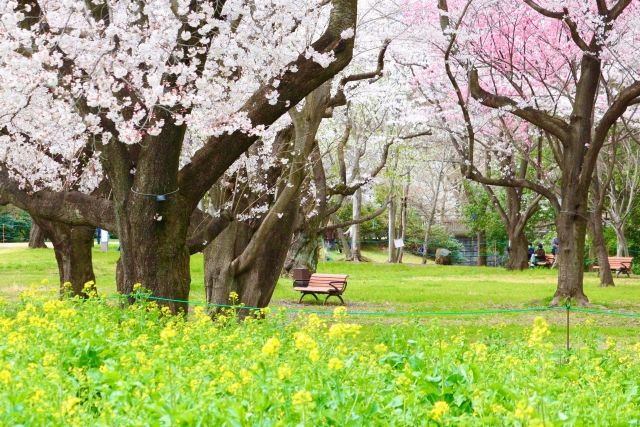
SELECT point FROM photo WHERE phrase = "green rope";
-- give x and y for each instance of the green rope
(605, 312)
(383, 313)
(357, 313)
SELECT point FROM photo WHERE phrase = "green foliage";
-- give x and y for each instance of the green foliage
(15, 224)
(481, 216)
(91, 363)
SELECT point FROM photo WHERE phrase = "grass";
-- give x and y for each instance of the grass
(377, 286)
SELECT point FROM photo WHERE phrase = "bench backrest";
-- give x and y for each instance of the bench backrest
(321, 280)
(620, 261)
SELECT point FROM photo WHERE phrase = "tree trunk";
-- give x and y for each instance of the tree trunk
(356, 255)
(403, 218)
(571, 234)
(304, 252)
(622, 247)
(36, 237)
(518, 252)
(482, 250)
(153, 249)
(72, 247)
(391, 231)
(256, 284)
(344, 244)
(606, 278)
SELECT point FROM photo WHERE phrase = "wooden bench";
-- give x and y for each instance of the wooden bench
(333, 285)
(619, 264)
(548, 261)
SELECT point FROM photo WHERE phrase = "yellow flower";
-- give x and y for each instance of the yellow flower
(5, 376)
(304, 341)
(245, 376)
(480, 350)
(167, 333)
(314, 355)
(44, 282)
(271, 347)
(69, 405)
(284, 372)
(344, 330)
(233, 297)
(380, 348)
(89, 288)
(137, 287)
(234, 388)
(403, 380)
(539, 332)
(302, 398)
(523, 410)
(335, 364)
(440, 408)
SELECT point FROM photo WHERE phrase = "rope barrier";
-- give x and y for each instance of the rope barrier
(566, 307)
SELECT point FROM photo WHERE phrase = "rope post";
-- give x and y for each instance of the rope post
(568, 309)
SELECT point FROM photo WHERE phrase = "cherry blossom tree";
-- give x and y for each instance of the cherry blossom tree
(167, 95)
(568, 68)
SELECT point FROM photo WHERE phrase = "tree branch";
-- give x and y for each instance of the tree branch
(551, 124)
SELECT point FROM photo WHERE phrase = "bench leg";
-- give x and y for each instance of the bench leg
(307, 293)
(333, 295)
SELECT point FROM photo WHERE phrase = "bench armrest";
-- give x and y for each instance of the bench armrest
(332, 284)
(300, 283)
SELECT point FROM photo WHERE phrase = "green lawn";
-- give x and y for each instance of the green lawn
(377, 286)
(372, 285)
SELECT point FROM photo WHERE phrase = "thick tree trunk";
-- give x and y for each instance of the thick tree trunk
(36, 237)
(482, 250)
(518, 253)
(256, 284)
(72, 247)
(622, 247)
(599, 244)
(304, 252)
(571, 235)
(153, 249)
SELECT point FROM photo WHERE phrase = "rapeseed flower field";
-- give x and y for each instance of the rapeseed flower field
(92, 362)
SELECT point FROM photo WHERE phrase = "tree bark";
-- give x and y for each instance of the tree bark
(622, 247)
(304, 252)
(255, 284)
(392, 231)
(356, 255)
(599, 244)
(518, 252)
(72, 246)
(571, 235)
(36, 237)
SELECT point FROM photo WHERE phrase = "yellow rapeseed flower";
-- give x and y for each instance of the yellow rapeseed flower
(5, 376)
(380, 348)
(440, 409)
(69, 405)
(284, 372)
(302, 398)
(168, 332)
(539, 332)
(271, 347)
(335, 364)
(523, 410)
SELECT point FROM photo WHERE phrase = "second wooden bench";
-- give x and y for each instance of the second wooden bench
(619, 264)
